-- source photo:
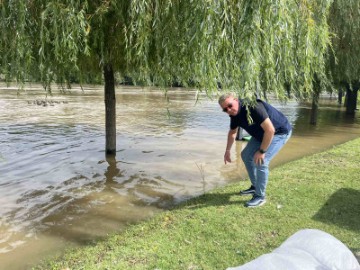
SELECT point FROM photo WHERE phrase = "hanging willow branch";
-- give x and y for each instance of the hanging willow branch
(63, 36)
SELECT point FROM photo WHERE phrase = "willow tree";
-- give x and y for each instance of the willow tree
(249, 46)
(344, 61)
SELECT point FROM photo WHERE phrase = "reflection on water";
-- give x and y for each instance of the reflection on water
(57, 188)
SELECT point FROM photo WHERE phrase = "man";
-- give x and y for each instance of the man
(270, 130)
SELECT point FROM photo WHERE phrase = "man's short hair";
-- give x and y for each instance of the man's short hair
(223, 97)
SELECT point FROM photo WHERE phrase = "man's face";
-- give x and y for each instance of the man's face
(230, 106)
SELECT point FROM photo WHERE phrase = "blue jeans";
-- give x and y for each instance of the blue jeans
(259, 174)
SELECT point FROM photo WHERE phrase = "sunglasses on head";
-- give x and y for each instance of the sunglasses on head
(229, 106)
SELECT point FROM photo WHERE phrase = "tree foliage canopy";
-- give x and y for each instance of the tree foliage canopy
(344, 21)
(249, 46)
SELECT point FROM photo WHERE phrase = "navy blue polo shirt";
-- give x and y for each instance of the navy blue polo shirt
(258, 114)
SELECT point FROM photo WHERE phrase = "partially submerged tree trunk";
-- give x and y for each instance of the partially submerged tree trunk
(239, 134)
(110, 110)
(288, 89)
(351, 98)
(340, 95)
(315, 103)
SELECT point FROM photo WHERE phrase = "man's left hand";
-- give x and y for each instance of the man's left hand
(259, 158)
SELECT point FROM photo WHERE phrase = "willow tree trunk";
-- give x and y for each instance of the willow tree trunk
(288, 89)
(315, 103)
(351, 98)
(110, 111)
(340, 96)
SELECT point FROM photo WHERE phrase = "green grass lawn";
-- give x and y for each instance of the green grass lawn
(216, 231)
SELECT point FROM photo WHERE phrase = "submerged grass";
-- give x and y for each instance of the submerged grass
(216, 231)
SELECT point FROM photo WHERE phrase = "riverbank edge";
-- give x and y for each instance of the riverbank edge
(216, 231)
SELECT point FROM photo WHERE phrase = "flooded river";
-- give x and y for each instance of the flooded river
(57, 189)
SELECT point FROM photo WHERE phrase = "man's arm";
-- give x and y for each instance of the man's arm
(269, 132)
(230, 140)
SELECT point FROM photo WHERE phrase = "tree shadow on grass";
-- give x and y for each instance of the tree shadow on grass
(342, 209)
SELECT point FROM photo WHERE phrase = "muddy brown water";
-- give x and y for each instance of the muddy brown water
(57, 189)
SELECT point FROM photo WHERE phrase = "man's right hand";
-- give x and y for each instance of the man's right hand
(230, 141)
(227, 157)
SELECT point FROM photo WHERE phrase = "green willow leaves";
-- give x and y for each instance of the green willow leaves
(246, 46)
(344, 60)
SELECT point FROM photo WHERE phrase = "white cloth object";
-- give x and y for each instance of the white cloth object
(307, 249)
